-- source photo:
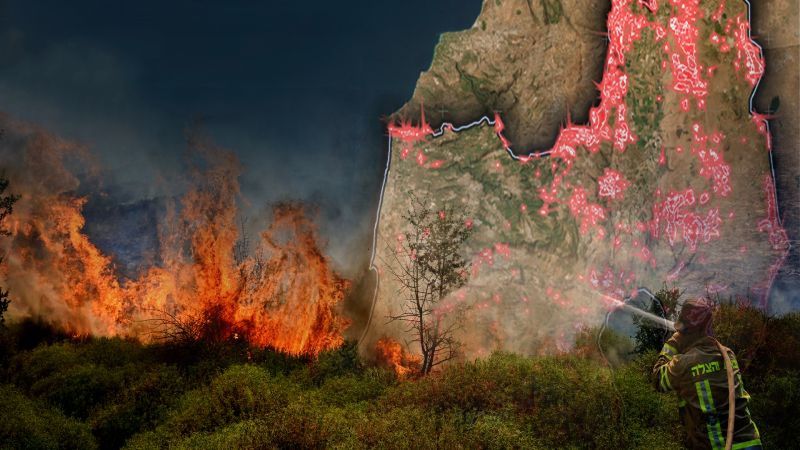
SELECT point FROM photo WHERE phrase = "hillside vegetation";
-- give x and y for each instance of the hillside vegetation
(109, 393)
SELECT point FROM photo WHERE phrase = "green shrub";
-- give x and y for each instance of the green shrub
(646, 415)
(775, 407)
(140, 405)
(502, 381)
(334, 363)
(307, 422)
(743, 328)
(246, 391)
(410, 427)
(41, 362)
(200, 361)
(250, 434)
(113, 352)
(495, 432)
(27, 424)
(240, 393)
(781, 351)
(78, 390)
(152, 440)
(277, 401)
(572, 401)
(558, 401)
(344, 390)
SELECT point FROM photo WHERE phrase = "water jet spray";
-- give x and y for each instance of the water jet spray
(621, 304)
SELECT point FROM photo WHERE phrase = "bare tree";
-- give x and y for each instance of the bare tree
(169, 327)
(428, 264)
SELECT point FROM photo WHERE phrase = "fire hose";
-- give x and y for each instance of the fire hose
(731, 394)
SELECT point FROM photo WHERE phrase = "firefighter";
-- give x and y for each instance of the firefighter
(692, 365)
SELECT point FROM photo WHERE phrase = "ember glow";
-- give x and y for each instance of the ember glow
(281, 294)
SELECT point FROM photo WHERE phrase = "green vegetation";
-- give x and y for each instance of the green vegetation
(475, 153)
(645, 115)
(110, 393)
(552, 11)
(479, 87)
(650, 337)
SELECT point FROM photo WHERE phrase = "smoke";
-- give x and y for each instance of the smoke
(45, 229)
(91, 94)
(96, 95)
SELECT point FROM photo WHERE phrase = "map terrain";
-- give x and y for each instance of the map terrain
(666, 177)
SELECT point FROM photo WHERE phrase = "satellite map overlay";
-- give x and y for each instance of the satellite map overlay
(668, 177)
(427, 224)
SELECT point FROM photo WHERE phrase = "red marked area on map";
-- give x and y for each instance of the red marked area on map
(407, 132)
(612, 184)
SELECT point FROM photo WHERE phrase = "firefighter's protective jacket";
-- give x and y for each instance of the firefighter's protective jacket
(695, 370)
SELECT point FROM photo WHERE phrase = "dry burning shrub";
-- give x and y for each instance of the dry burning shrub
(285, 296)
(295, 305)
(390, 354)
(171, 328)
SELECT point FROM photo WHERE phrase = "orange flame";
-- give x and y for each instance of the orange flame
(285, 295)
(391, 354)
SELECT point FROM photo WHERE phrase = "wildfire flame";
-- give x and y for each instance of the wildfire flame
(283, 295)
(391, 354)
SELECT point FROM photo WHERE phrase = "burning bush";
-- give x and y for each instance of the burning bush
(390, 354)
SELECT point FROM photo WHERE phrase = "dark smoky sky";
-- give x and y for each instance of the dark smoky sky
(296, 89)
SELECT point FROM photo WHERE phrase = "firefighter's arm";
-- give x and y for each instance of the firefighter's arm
(667, 365)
